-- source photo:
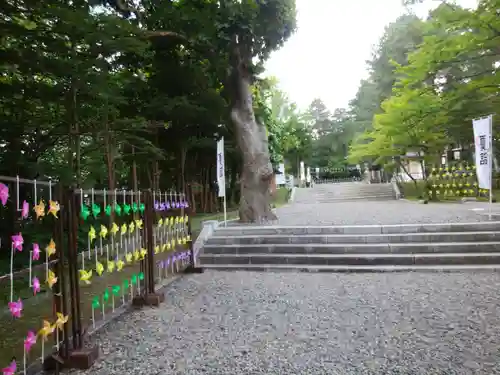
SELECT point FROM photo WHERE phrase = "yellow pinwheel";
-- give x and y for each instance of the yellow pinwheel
(110, 266)
(51, 248)
(46, 330)
(114, 229)
(119, 265)
(181, 219)
(171, 220)
(173, 243)
(137, 255)
(131, 227)
(160, 222)
(157, 249)
(164, 247)
(168, 246)
(51, 279)
(188, 238)
(85, 276)
(61, 321)
(138, 224)
(128, 257)
(123, 229)
(176, 220)
(186, 218)
(103, 232)
(184, 240)
(99, 268)
(142, 253)
(92, 234)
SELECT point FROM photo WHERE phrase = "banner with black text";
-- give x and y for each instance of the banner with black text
(482, 141)
(221, 174)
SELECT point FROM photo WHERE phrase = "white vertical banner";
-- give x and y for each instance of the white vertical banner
(302, 171)
(221, 175)
(281, 177)
(484, 151)
(308, 175)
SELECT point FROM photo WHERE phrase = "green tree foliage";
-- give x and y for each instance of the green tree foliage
(121, 94)
(448, 78)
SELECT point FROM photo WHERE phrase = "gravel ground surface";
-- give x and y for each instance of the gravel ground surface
(375, 212)
(269, 323)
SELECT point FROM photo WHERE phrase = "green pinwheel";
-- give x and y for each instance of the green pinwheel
(84, 212)
(96, 210)
(95, 302)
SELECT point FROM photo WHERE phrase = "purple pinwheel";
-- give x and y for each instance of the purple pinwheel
(168, 205)
(162, 207)
(168, 262)
(157, 206)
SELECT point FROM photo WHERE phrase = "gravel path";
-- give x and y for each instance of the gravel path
(375, 212)
(266, 323)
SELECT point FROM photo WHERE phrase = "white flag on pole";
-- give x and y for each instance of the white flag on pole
(483, 150)
(302, 171)
(221, 175)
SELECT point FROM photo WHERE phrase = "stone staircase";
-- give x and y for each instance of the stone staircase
(404, 247)
(344, 191)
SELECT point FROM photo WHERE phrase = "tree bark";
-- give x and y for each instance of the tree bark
(257, 172)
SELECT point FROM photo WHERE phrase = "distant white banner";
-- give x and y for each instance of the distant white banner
(281, 177)
(221, 175)
(482, 141)
(302, 171)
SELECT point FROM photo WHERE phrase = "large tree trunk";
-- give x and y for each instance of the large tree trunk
(257, 172)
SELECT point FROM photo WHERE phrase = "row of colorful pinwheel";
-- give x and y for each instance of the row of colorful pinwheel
(454, 171)
(132, 226)
(130, 236)
(173, 261)
(119, 209)
(31, 339)
(117, 292)
(17, 245)
(95, 209)
(40, 209)
(129, 257)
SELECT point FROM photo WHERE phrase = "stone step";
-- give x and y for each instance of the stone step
(424, 259)
(353, 249)
(239, 230)
(301, 268)
(355, 239)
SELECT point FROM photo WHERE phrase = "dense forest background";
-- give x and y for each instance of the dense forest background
(102, 94)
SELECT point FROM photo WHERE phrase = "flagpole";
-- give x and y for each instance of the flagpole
(225, 211)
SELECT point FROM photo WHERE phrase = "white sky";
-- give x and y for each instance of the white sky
(326, 57)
